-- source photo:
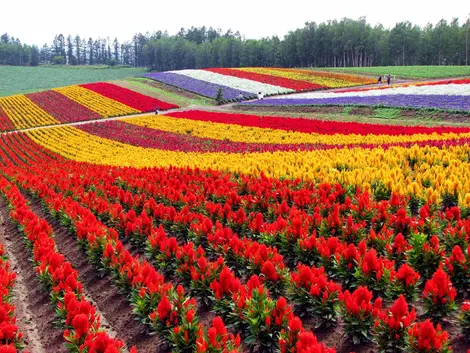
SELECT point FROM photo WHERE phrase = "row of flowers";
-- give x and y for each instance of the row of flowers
(438, 295)
(72, 104)
(322, 78)
(11, 339)
(242, 134)
(148, 135)
(295, 85)
(156, 302)
(250, 81)
(203, 88)
(200, 275)
(78, 316)
(242, 84)
(23, 113)
(426, 172)
(407, 101)
(5, 123)
(308, 126)
(62, 108)
(128, 97)
(413, 84)
(359, 266)
(104, 106)
(18, 149)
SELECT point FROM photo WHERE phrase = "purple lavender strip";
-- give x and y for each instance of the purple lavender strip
(203, 88)
(461, 103)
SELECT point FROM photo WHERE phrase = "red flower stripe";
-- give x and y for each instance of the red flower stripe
(173, 305)
(192, 262)
(296, 85)
(130, 98)
(153, 138)
(52, 268)
(62, 108)
(10, 335)
(5, 122)
(312, 126)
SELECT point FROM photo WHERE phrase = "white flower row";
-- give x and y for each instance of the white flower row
(448, 90)
(236, 83)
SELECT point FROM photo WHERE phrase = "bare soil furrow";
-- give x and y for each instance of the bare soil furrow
(34, 311)
(110, 303)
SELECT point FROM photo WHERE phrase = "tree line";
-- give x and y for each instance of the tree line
(343, 43)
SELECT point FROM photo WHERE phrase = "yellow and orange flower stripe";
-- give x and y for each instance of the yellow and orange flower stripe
(434, 171)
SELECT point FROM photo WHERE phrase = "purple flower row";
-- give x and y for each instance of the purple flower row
(152, 138)
(446, 102)
(200, 87)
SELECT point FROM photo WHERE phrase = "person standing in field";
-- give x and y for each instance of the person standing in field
(388, 79)
(156, 111)
(380, 79)
(240, 97)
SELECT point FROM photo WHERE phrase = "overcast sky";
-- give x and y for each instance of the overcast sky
(37, 22)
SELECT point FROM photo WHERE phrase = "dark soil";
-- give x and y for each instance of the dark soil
(110, 303)
(34, 311)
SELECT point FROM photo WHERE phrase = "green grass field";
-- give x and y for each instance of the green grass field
(20, 79)
(410, 71)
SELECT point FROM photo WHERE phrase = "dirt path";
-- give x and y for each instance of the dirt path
(219, 108)
(34, 311)
(111, 304)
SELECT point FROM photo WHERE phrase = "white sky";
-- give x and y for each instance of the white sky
(37, 22)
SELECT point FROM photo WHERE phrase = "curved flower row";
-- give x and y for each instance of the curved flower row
(72, 104)
(324, 127)
(103, 106)
(23, 113)
(5, 123)
(324, 79)
(203, 88)
(62, 108)
(416, 90)
(128, 97)
(427, 172)
(295, 85)
(250, 81)
(444, 102)
(236, 83)
(237, 133)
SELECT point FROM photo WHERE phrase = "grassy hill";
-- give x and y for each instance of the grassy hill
(20, 79)
(410, 71)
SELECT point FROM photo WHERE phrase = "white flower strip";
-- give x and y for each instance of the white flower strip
(447, 90)
(241, 84)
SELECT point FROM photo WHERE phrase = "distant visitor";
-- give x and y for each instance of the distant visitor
(240, 97)
(156, 111)
(388, 79)
(380, 79)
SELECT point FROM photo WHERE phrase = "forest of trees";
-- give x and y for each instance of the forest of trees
(335, 43)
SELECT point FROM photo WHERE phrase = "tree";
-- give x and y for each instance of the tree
(34, 56)
(219, 98)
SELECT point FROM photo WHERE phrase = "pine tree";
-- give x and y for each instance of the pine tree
(219, 98)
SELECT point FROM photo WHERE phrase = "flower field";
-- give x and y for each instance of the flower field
(73, 104)
(445, 95)
(213, 231)
(276, 260)
(250, 81)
